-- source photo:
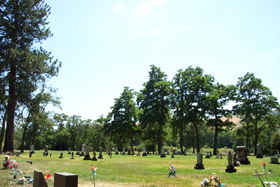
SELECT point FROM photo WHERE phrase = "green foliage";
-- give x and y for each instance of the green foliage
(275, 141)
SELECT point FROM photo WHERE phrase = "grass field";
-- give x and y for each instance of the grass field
(127, 170)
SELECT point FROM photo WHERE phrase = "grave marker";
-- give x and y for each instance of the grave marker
(39, 180)
(32, 149)
(65, 180)
(217, 153)
(123, 151)
(87, 157)
(69, 152)
(274, 160)
(117, 151)
(173, 153)
(242, 155)
(72, 155)
(230, 167)
(61, 155)
(82, 151)
(100, 153)
(94, 156)
(199, 164)
(144, 152)
(162, 153)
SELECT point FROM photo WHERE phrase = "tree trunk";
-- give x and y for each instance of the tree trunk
(159, 137)
(247, 137)
(181, 137)
(34, 134)
(154, 146)
(197, 138)
(215, 140)
(256, 139)
(193, 142)
(9, 138)
(131, 146)
(23, 138)
(3, 130)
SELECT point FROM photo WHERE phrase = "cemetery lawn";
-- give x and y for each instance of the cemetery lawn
(151, 170)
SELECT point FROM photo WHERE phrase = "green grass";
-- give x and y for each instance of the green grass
(126, 170)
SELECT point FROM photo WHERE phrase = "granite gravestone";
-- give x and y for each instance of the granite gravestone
(173, 153)
(65, 180)
(94, 156)
(87, 157)
(69, 152)
(167, 152)
(185, 152)
(61, 155)
(199, 164)
(274, 160)
(207, 155)
(46, 150)
(123, 151)
(39, 180)
(230, 167)
(259, 154)
(100, 153)
(242, 155)
(162, 153)
(72, 155)
(217, 153)
(138, 152)
(144, 152)
(221, 156)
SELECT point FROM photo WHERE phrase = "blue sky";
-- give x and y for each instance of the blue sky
(107, 45)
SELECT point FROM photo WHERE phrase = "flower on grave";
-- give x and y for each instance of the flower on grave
(263, 165)
(93, 168)
(47, 175)
(215, 178)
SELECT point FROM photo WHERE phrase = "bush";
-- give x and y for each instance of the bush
(275, 141)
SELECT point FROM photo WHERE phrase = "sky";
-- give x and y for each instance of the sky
(107, 45)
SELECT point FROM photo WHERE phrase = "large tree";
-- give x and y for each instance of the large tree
(22, 23)
(198, 88)
(217, 100)
(125, 116)
(255, 104)
(154, 101)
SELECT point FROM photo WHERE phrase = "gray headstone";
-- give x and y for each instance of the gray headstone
(65, 180)
(100, 153)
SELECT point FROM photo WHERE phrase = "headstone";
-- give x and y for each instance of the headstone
(94, 156)
(32, 149)
(210, 153)
(148, 152)
(128, 152)
(123, 151)
(78, 153)
(61, 155)
(87, 157)
(83, 150)
(46, 150)
(199, 164)
(117, 151)
(207, 155)
(65, 180)
(181, 151)
(50, 154)
(259, 154)
(217, 153)
(39, 180)
(167, 152)
(100, 153)
(242, 155)
(162, 153)
(176, 151)
(144, 152)
(192, 152)
(69, 152)
(221, 156)
(274, 160)
(72, 155)
(185, 152)
(30, 154)
(173, 153)
(138, 152)
(230, 166)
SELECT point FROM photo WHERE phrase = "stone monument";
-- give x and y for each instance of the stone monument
(185, 152)
(217, 153)
(117, 151)
(207, 155)
(230, 167)
(162, 153)
(94, 156)
(87, 157)
(100, 153)
(123, 151)
(46, 150)
(72, 155)
(167, 152)
(259, 154)
(83, 150)
(69, 152)
(242, 155)
(32, 149)
(144, 152)
(199, 164)
(173, 153)
(61, 155)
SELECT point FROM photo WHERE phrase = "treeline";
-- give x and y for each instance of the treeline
(184, 112)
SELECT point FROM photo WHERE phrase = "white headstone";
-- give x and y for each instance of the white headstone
(144, 149)
(83, 147)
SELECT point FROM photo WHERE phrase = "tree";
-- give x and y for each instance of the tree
(198, 88)
(154, 102)
(179, 103)
(23, 67)
(125, 116)
(255, 103)
(217, 99)
(275, 141)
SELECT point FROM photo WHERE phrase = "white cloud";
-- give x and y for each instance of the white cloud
(145, 8)
(184, 27)
(158, 15)
(157, 2)
(154, 31)
(118, 7)
(138, 32)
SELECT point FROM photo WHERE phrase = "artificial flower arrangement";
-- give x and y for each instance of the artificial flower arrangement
(212, 179)
(47, 175)
(266, 183)
(93, 168)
